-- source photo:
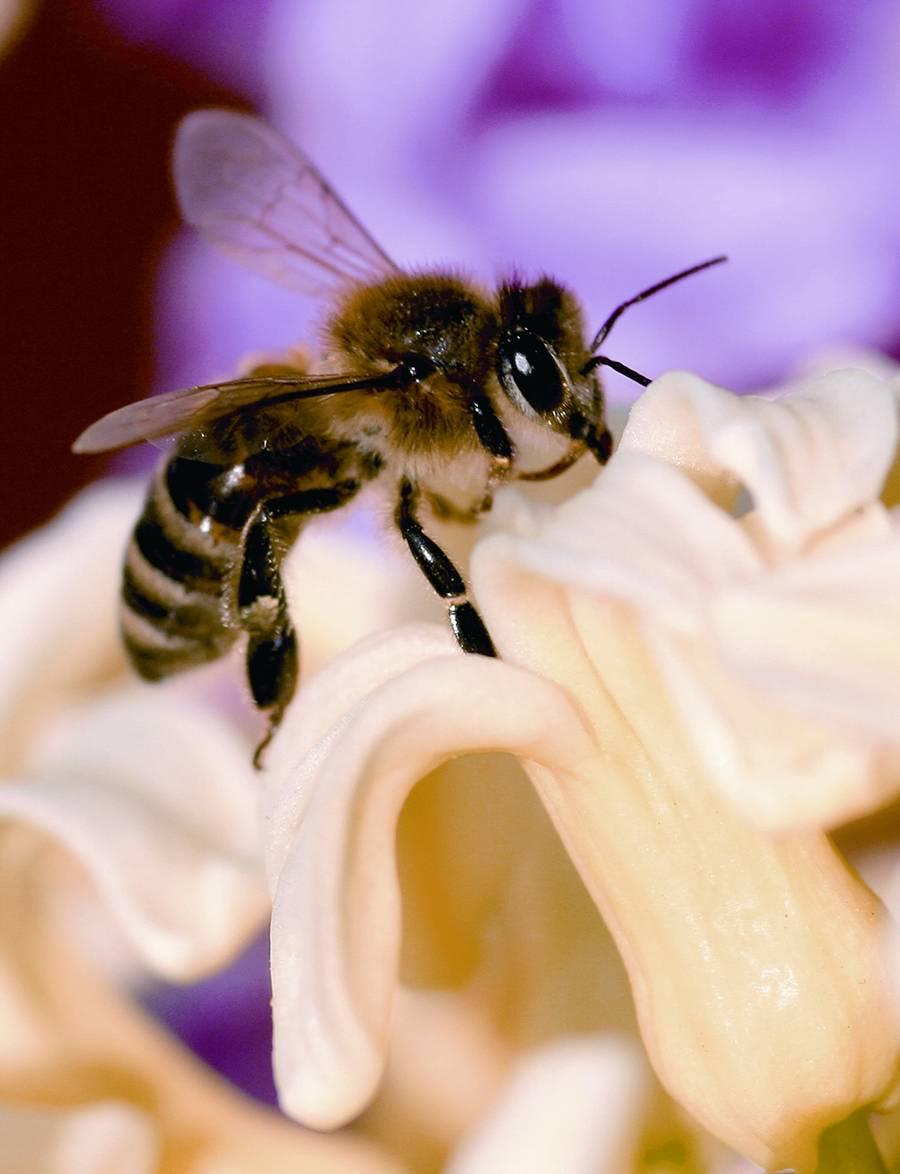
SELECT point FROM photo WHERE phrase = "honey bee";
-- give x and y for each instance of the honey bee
(434, 386)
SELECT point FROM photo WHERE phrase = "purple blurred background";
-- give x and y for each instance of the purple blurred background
(610, 143)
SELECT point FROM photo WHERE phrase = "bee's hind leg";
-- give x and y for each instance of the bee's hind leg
(465, 622)
(272, 659)
(273, 662)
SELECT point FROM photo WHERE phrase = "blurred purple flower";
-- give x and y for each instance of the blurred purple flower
(221, 37)
(610, 144)
(226, 1020)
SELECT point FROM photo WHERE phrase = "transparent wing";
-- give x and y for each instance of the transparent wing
(258, 198)
(189, 415)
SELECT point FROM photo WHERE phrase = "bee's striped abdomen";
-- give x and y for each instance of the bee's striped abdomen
(177, 571)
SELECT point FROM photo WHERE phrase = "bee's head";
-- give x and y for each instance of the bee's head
(544, 366)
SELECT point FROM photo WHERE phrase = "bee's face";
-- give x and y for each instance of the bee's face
(541, 355)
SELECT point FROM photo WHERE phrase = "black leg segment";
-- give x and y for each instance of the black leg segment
(273, 665)
(273, 661)
(468, 628)
(596, 438)
(433, 562)
(260, 578)
(490, 430)
(465, 622)
(600, 443)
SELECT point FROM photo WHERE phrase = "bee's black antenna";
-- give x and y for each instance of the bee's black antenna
(614, 317)
(629, 372)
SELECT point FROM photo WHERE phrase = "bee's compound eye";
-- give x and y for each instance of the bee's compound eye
(529, 371)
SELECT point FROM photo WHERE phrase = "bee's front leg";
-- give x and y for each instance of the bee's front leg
(273, 662)
(465, 622)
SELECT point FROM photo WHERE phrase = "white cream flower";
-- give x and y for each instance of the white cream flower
(794, 605)
(134, 783)
(146, 799)
(689, 769)
(700, 661)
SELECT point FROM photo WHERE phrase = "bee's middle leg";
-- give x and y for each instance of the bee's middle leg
(273, 661)
(434, 563)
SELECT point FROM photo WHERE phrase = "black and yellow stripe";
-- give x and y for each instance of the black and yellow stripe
(185, 589)
(176, 575)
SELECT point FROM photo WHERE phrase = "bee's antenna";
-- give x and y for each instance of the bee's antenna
(614, 317)
(629, 372)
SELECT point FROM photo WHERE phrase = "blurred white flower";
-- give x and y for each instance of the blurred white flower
(134, 783)
(146, 799)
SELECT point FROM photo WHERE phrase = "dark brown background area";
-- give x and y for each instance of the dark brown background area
(86, 207)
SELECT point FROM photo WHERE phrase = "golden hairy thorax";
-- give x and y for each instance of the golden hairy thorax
(436, 316)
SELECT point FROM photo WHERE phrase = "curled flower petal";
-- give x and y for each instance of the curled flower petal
(150, 792)
(813, 634)
(156, 799)
(811, 639)
(327, 700)
(335, 923)
(784, 776)
(773, 446)
(645, 534)
(787, 609)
